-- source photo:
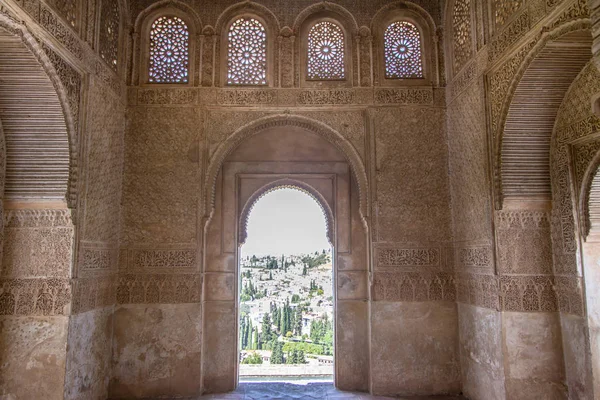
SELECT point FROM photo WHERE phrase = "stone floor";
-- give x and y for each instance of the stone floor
(284, 391)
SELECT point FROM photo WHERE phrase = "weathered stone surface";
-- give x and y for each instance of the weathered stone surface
(154, 353)
(533, 367)
(89, 355)
(33, 355)
(415, 349)
(481, 353)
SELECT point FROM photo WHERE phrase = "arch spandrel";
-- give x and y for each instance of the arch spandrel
(286, 183)
(329, 9)
(217, 158)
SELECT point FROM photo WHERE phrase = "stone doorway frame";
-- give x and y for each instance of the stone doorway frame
(220, 353)
(299, 182)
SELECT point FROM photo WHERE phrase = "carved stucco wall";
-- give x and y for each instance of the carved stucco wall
(573, 148)
(433, 241)
(72, 254)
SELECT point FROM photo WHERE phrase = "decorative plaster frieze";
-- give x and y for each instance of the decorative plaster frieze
(28, 218)
(245, 97)
(404, 96)
(322, 97)
(168, 261)
(407, 257)
(35, 297)
(158, 289)
(478, 258)
(413, 287)
(93, 293)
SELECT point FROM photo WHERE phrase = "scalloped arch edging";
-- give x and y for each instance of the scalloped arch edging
(279, 185)
(281, 120)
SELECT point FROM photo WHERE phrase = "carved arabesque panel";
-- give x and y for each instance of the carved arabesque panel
(69, 9)
(110, 24)
(463, 33)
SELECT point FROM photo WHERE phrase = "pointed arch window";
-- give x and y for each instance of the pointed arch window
(403, 51)
(247, 53)
(169, 51)
(326, 52)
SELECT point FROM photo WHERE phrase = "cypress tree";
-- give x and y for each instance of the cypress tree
(301, 359)
(255, 341)
(298, 325)
(243, 332)
(266, 328)
(249, 330)
(277, 355)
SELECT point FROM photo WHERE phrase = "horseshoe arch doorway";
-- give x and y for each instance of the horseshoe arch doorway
(274, 152)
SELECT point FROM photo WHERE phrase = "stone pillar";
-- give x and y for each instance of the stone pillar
(365, 41)
(531, 325)
(35, 302)
(208, 56)
(286, 57)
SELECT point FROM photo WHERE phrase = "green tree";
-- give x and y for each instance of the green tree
(298, 324)
(300, 359)
(255, 341)
(266, 328)
(292, 357)
(277, 355)
(253, 358)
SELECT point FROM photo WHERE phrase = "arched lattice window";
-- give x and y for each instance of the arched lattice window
(326, 52)
(403, 53)
(247, 53)
(169, 51)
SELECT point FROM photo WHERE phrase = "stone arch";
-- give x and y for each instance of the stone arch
(143, 24)
(286, 184)
(334, 10)
(418, 16)
(536, 53)
(162, 6)
(307, 18)
(272, 27)
(25, 48)
(251, 129)
(380, 15)
(589, 200)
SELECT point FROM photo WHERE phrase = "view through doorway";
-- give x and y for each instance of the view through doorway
(286, 291)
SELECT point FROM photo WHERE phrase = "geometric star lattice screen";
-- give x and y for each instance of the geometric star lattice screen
(325, 52)
(169, 51)
(403, 54)
(247, 53)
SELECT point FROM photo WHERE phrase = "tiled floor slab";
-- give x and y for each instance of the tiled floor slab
(285, 391)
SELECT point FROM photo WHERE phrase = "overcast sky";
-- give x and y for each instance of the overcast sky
(285, 221)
